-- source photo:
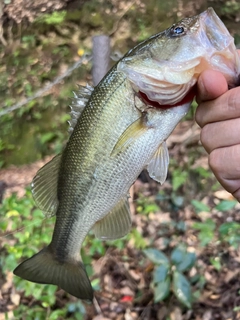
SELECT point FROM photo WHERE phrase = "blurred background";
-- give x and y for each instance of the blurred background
(46, 50)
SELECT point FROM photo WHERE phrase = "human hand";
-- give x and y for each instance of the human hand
(218, 114)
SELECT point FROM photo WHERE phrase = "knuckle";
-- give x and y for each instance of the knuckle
(233, 101)
(215, 161)
(204, 136)
(198, 116)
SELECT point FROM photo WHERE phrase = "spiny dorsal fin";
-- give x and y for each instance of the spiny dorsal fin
(116, 224)
(44, 187)
(79, 102)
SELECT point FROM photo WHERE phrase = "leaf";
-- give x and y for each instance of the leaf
(206, 229)
(216, 263)
(226, 205)
(160, 273)
(156, 256)
(179, 178)
(178, 201)
(182, 289)
(200, 207)
(177, 255)
(188, 262)
(47, 137)
(161, 291)
(229, 227)
(182, 259)
(95, 284)
(209, 224)
(230, 232)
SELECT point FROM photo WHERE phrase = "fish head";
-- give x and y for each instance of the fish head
(164, 69)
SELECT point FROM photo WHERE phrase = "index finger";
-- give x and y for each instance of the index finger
(225, 107)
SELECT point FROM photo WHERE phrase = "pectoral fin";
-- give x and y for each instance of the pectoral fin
(130, 135)
(44, 187)
(116, 224)
(158, 166)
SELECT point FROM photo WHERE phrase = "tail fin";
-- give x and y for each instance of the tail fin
(68, 275)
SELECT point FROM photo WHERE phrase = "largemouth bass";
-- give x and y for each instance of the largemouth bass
(119, 128)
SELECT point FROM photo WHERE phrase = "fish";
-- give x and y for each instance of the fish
(117, 129)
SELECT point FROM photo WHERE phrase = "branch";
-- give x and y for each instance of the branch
(85, 58)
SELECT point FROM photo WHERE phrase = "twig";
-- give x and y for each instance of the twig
(96, 305)
(4, 42)
(115, 27)
(40, 92)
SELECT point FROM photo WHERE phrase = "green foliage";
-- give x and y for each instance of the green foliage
(137, 239)
(143, 31)
(230, 232)
(25, 232)
(168, 274)
(55, 18)
(227, 232)
(144, 206)
(216, 263)
(230, 7)
(182, 259)
(206, 231)
(179, 177)
(71, 311)
(226, 205)
(200, 206)
(182, 289)
(156, 256)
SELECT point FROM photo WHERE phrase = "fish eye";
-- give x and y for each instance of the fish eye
(177, 31)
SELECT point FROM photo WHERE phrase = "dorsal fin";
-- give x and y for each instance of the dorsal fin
(79, 102)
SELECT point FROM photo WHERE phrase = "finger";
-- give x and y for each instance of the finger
(236, 194)
(224, 107)
(220, 134)
(211, 84)
(224, 163)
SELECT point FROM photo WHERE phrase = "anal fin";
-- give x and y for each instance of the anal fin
(116, 224)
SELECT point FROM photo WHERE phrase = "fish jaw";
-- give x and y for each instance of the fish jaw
(215, 36)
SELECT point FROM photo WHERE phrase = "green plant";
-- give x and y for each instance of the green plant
(230, 232)
(206, 231)
(25, 232)
(55, 18)
(179, 177)
(230, 7)
(144, 206)
(168, 274)
(227, 232)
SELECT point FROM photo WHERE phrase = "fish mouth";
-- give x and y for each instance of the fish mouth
(187, 99)
(215, 30)
(215, 36)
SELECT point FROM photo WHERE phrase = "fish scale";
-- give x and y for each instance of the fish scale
(117, 129)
